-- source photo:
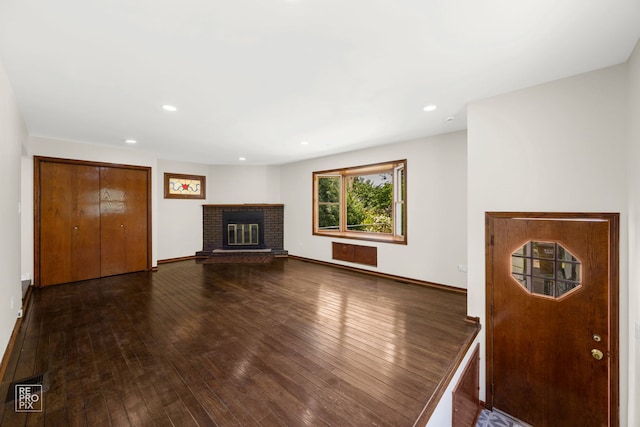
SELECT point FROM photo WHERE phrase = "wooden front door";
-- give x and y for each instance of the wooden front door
(552, 310)
(123, 207)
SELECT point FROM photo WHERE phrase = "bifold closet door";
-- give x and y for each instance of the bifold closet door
(69, 246)
(123, 218)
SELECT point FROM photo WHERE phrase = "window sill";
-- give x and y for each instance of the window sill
(370, 237)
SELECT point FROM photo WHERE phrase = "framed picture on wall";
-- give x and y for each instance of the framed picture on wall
(180, 186)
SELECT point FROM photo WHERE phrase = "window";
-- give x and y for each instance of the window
(546, 268)
(364, 202)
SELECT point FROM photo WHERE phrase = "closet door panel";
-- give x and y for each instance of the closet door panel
(85, 242)
(69, 233)
(55, 223)
(123, 205)
(112, 204)
(136, 220)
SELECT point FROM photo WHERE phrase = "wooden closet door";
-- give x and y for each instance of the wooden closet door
(69, 246)
(124, 225)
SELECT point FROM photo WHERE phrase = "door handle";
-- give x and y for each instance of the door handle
(597, 354)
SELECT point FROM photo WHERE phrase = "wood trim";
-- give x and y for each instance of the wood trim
(613, 220)
(362, 235)
(88, 163)
(183, 258)
(201, 178)
(431, 405)
(400, 279)
(466, 397)
(488, 243)
(37, 160)
(149, 219)
(614, 297)
(473, 319)
(314, 202)
(36, 218)
(246, 205)
(362, 168)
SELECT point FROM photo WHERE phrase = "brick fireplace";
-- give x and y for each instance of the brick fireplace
(243, 227)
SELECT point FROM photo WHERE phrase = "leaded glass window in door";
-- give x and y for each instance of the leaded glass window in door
(546, 268)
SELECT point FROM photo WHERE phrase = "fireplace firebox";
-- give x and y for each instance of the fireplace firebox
(243, 230)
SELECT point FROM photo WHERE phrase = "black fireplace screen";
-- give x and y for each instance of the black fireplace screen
(243, 234)
(243, 229)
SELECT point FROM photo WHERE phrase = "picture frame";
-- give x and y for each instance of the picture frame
(181, 186)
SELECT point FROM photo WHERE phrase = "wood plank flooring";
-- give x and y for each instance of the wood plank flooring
(288, 343)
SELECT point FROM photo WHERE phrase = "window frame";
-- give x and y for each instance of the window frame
(397, 168)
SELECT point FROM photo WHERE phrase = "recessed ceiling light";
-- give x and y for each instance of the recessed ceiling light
(304, 143)
(430, 108)
(242, 159)
(167, 107)
(130, 141)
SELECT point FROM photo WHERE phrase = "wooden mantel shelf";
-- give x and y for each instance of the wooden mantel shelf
(245, 205)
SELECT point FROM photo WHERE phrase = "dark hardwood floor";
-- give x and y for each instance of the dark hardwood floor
(287, 343)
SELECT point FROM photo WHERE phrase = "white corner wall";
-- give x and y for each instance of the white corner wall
(436, 203)
(560, 146)
(634, 236)
(13, 135)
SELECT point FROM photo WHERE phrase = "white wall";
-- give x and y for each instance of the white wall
(560, 146)
(634, 236)
(436, 209)
(244, 184)
(26, 250)
(12, 137)
(179, 220)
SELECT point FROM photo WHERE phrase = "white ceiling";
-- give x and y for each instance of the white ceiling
(255, 78)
